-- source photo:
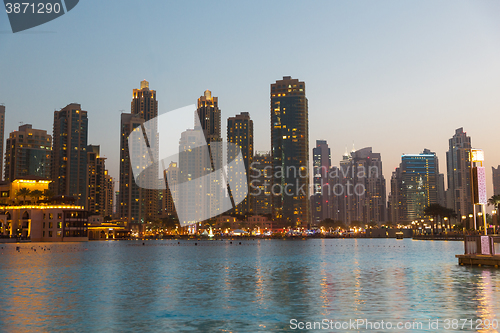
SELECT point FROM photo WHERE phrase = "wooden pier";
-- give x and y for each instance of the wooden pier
(480, 251)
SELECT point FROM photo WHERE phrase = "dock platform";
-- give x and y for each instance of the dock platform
(480, 251)
(478, 260)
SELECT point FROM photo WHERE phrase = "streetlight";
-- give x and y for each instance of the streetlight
(463, 223)
(445, 221)
(494, 212)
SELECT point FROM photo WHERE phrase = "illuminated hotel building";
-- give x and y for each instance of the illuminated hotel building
(69, 153)
(290, 152)
(28, 154)
(137, 205)
(240, 133)
(458, 163)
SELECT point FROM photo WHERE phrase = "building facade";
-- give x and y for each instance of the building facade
(99, 182)
(290, 152)
(28, 154)
(69, 153)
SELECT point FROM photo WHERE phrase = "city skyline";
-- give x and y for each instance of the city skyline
(393, 77)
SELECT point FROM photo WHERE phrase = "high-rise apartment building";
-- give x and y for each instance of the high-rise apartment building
(69, 153)
(28, 154)
(414, 186)
(260, 183)
(364, 187)
(290, 152)
(496, 180)
(321, 167)
(138, 205)
(100, 184)
(2, 136)
(240, 134)
(459, 173)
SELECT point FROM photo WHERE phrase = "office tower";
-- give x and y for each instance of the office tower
(364, 189)
(321, 166)
(28, 154)
(240, 133)
(171, 192)
(2, 135)
(131, 202)
(139, 205)
(260, 183)
(414, 186)
(459, 172)
(496, 180)
(69, 153)
(98, 183)
(290, 152)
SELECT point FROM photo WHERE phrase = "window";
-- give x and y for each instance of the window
(50, 225)
(59, 225)
(43, 234)
(43, 225)
(50, 233)
(51, 216)
(59, 216)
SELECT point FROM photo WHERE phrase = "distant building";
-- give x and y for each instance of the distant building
(290, 152)
(260, 183)
(28, 154)
(98, 190)
(459, 173)
(9, 191)
(414, 186)
(496, 180)
(321, 166)
(364, 187)
(240, 133)
(2, 136)
(171, 192)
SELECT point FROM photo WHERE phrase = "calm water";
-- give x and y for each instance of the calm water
(258, 286)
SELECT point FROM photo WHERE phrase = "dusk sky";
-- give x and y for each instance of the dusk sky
(399, 76)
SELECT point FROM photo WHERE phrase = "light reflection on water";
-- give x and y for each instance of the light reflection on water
(257, 286)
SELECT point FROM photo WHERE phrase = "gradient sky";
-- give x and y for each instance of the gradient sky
(399, 76)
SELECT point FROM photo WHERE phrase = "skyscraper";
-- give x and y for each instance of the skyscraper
(131, 203)
(98, 190)
(171, 175)
(209, 114)
(414, 186)
(69, 153)
(138, 205)
(240, 133)
(260, 183)
(459, 173)
(496, 180)
(290, 152)
(321, 166)
(28, 154)
(2, 136)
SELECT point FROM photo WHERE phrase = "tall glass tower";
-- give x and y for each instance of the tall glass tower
(290, 152)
